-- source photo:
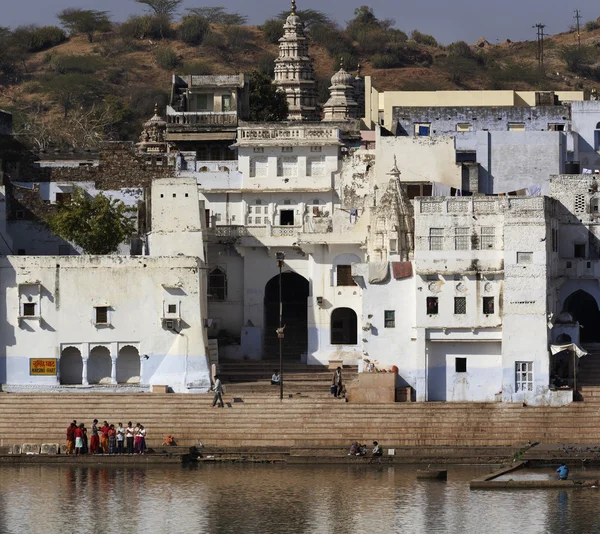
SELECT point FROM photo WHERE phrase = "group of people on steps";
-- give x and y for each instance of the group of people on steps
(106, 439)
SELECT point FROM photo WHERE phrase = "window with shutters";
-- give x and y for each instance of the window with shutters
(389, 318)
(101, 314)
(432, 305)
(460, 305)
(217, 284)
(524, 376)
(259, 167)
(316, 166)
(287, 167)
(461, 239)
(344, 276)
(488, 305)
(488, 237)
(436, 239)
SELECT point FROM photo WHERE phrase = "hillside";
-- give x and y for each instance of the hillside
(109, 86)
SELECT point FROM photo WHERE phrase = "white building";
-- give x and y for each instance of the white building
(112, 321)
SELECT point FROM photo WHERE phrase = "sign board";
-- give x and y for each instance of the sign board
(42, 367)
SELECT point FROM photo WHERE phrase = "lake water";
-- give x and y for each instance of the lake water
(264, 499)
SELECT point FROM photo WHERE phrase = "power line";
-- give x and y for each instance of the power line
(577, 17)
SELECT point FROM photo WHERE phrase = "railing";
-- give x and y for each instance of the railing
(456, 205)
(201, 118)
(217, 166)
(233, 233)
(292, 133)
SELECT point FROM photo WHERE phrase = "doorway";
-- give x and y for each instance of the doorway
(286, 218)
(294, 295)
(584, 309)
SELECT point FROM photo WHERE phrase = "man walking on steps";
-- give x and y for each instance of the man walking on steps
(218, 389)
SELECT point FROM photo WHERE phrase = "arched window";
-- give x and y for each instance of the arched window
(344, 327)
(217, 284)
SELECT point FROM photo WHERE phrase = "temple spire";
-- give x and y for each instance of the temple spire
(294, 73)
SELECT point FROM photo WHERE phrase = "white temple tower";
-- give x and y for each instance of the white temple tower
(294, 72)
(341, 105)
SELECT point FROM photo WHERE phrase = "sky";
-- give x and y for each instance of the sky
(447, 21)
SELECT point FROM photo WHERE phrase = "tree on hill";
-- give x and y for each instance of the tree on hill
(73, 90)
(267, 104)
(84, 21)
(98, 225)
(162, 7)
(218, 15)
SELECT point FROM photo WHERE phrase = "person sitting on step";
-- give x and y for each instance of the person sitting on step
(377, 451)
(276, 378)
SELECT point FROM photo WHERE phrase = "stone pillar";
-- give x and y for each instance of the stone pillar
(85, 356)
(113, 369)
(142, 360)
(421, 382)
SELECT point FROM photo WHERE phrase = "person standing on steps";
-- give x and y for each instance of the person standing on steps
(337, 382)
(78, 439)
(70, 438)
(94, 440)
(129, 436)
(218, 389)
(120, 438)
(563, 472)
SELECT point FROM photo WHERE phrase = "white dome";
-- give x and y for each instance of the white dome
(341, 77)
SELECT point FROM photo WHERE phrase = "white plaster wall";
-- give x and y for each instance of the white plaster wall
(391, 346)
(585, 118)
(516, 160)
(419, 159)
(136, 290)
(481, 382)
(301, 181)
(177, 218)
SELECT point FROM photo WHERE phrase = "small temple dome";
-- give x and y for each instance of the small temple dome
(293, 19)
(341, 77)
(156, 121)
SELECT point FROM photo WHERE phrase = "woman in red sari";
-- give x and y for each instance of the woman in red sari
(94, 440)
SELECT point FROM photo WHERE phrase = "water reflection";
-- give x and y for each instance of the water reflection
(266, 499)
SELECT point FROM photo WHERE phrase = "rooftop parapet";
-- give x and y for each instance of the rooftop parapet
(292, 134)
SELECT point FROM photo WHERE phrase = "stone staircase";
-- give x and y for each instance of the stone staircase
(588, 375)
(299, 380)
(307, 423)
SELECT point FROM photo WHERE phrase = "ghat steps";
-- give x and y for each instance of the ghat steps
(263, 421)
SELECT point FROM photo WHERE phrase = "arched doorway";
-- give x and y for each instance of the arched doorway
(71, 366)
(344, 327)
(584, 309)
(294, 295)
(128, 365)
(99, 366)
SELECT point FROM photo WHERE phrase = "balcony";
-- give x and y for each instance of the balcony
(579, 268)
(191, 120)
(276, 135)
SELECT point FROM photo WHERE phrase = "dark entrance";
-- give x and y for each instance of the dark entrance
(286, 218)
(584, 309)
(294, 295)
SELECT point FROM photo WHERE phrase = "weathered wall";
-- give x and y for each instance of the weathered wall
(419, 159)
(137, 292)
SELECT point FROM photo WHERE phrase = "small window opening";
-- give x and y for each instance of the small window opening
(389, 318)
(460, 365)
(172, 308)
(488, 305)
(29, 309)
(102, 315)
(432, 305)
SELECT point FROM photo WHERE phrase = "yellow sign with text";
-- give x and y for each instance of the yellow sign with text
(42, 367)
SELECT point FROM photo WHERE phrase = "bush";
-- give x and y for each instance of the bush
(166, 58)
(115, 46)
(34, 39)
(460, 49)
(423, 38)
(386, 61)
(266, 65)
(238, 38)
(591, 25)
(84, 64)
(214, 41)
(371, 40)
(193, 29)
(396, 36)
(272, 30)
(577, 59)
(116, 76)
(197, 67)
(146, 27)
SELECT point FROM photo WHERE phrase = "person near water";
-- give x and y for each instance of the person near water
(377, 451)
(94, 440)
(563, 472)
(70, 438)
(78, 439)
(129, 437)
(104, 437)
(120, 438)
(112, 440)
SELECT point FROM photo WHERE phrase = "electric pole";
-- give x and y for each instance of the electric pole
(540, 42)
(577, 17)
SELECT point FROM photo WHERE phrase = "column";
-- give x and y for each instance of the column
(421, 375)
(142, 360)
(113, 369)
(85, 356)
